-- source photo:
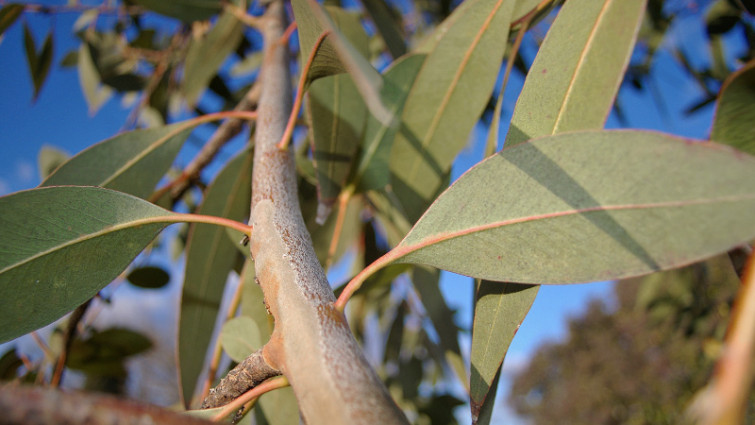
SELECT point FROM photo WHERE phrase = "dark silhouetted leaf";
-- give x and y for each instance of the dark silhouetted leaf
(52, 240)
(9, 14)
(104, 353)
(149, 277)
(185, 10)
(388, 23)
(9, 364)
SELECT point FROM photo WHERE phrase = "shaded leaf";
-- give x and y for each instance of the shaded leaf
(131, 162)
(9, 364)
(9, 14)
(210, 256)
(39, 63)
(337, 55)
(499, 310)
(373, 171)
(49, 159)
(734, 122)
(207, 54)
(240, 337)
(50, 240)
(565, 222)
(185, 10)
(446, 100)
(104, 352)
(148, 277)
(572, 83)
(388, 23)
(322, 235)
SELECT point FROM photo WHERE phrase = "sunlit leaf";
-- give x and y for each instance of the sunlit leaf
(185, 10)
(148, 277)
(734, 122)
(94, 93)
(446, 99)
(240, 337)
(210, 256)
(572, 83)
(52, 240)
(207, 54)
(131, 162)
(49, 159)
(588, 206)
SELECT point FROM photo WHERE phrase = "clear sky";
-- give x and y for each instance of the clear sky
(60, 118)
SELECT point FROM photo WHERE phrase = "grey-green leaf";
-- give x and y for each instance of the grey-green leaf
(240, 337)
(589, 206)
(734, 123)
(49, 159)
(185, 10)
(148, 277)
(51, 243)
(446, 100)
(572, 83)
(210, 256)
(132, 162)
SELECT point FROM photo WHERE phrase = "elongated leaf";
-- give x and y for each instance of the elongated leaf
(337, 54)
(388, 23)
(589, 206)
(734, 123)
(185, 10)
(373, 171)
(572, 83)
(52, 241)
(49, 159)
(210, 256)
(208, 53)
(132, 162)
(500, 308)
(445, 101)
(9, 14)
(337, 115)
(94, 93)
(39, 64)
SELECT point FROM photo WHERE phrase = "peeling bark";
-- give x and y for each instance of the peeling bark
(246, 375)
(312, 344)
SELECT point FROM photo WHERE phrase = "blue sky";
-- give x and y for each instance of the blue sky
(60, 118)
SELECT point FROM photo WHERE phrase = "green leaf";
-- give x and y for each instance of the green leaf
(735, 114)
(39, 64)
(52, 240)
(322, 234)
(9, 364)
(499, 310)
(185, 10)
(131, 162)
(388, 24)
(446, 100)
(588, 206)
(49, 159)
(240, 337)
(9, 14)
(208, 53)
(337, 115)
(94, 93)
(210, 256)
(572, 83)
(373, 171)
(337, 54)
(149, 277)
(104, 352)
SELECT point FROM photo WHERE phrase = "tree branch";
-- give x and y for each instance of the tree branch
(311, 344)
(245, 376)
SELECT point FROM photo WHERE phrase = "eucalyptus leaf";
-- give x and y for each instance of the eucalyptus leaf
(240, 337)
(94, 93)
(734, 122)
(446, 99)
(588, 206)
(9, 14)
(49, 159)
(185, 10)
(52, 240)
(131, 162)
(210, 257)
(148, 277)
(573, 81)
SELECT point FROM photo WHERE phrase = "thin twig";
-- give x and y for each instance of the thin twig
(68, 336)
(267, 386)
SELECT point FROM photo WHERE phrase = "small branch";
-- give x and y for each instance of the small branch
(356, 282)
(227, 130)
(283, 144)
(41, 406)
(724, 400)
(218, 351)
(73, 323)
(245, 376)
(254, 393)
(241, 15)
(343, 202)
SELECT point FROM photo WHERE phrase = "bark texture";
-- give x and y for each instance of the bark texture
(312, 344)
